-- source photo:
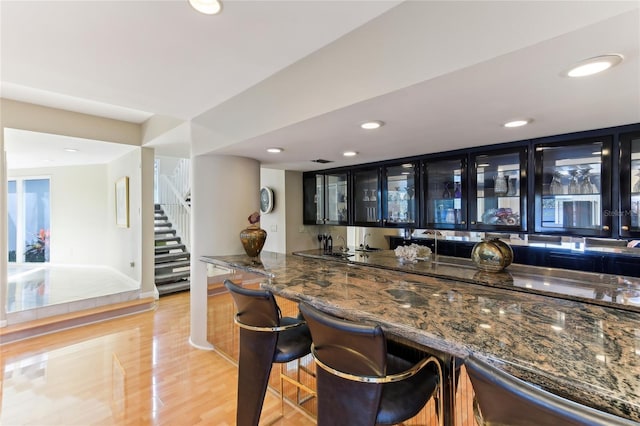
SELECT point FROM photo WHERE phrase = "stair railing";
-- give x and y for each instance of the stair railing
(172, 196)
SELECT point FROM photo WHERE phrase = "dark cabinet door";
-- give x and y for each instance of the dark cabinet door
(313, 198)
(498, 190)
(399, 195)
(325, 198)
(445, 193)
(573, 187)
(366, 197)
(629, 213)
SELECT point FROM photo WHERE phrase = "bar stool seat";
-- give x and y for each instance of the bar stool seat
(502, 399)
(359, 383)
(265, 338)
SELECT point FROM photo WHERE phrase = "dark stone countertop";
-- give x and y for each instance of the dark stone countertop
(601, 289)
(582, 351)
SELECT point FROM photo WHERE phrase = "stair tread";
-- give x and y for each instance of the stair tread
(163, 225)
(169, 247)
(169, 288)
(167, 239)
(165, 231)
(167, 257)
(177, 264)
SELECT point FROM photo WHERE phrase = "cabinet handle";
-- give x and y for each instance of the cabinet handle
(625, 228)
(473, 223)
(462, 222)
(606, 228)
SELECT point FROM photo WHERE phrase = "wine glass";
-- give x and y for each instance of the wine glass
(556, 184)
(373, 195)
(366, 195)
(586, 187)
(636, 187)
(574, 186)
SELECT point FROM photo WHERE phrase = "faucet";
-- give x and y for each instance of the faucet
(364, 241)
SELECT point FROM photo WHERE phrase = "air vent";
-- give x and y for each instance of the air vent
(321, 161)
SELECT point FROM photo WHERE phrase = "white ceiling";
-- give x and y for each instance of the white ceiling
(302, 74)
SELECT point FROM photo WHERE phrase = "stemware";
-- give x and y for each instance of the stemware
(574, 185)
(372, 197)
(587, 187)
(500, 187)
(636, 187)
(366, 195)
(556, 184)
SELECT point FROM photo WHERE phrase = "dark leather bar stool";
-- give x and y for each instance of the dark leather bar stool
(502, 399)
(265, 338)
(359, 382)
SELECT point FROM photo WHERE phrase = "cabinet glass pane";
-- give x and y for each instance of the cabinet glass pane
(571, 186)
(366, 196)
(336, 198)
(444, 193)
(313, 212)
(401, 191)
(498, 190)
(635, 184)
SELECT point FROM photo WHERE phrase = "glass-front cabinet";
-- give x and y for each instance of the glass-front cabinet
(630, 185)
(399, 206)
(366, 196)
(326, 198)
(572, 187)
(445, 190)
(498, 188)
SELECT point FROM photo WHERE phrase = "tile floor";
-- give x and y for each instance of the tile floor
(37, 291)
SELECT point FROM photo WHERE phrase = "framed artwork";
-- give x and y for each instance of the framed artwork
(122, 202)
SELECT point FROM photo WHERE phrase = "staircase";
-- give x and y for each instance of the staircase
(172, 260)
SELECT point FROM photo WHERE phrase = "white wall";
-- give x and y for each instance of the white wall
(79, 208)
(125, 243)
(275, 223)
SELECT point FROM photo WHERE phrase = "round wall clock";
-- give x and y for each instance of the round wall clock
(266, 200)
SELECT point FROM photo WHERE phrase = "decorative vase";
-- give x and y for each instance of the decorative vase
(253, 239)
(492, 255)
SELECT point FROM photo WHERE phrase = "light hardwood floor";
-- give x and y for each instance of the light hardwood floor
(136, 370)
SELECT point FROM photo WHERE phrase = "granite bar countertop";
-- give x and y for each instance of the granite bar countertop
(601, 289)
(582, 351)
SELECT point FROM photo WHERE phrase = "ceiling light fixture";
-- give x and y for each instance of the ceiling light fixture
(349, 153)
(594, 65)
(208, 7)
(516, 123)
(275, 150)
(371, 125)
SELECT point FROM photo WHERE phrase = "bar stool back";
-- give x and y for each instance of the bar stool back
(502, 399)
(265, 338)
(358, 381)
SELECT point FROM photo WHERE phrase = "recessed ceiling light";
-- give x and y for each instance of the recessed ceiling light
(594, 65)
(208, 7)
(371, 125)
(71, 150)
(349, 153)
(516, 123)
(483, 165)
(275, 150)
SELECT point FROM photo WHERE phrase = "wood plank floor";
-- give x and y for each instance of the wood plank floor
(134, 370)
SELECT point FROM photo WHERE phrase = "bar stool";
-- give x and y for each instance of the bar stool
(359, 382)
(502, 399)
(265, 338)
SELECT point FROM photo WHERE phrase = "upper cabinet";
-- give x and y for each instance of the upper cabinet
(445, 189)
(629, 213)
(400, 194)
(326, 198)
(498, 182)
(366, 196)
(573, 187)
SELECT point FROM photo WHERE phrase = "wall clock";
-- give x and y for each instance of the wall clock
(266, 200)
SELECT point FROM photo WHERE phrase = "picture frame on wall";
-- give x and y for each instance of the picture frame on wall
(122, 202)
